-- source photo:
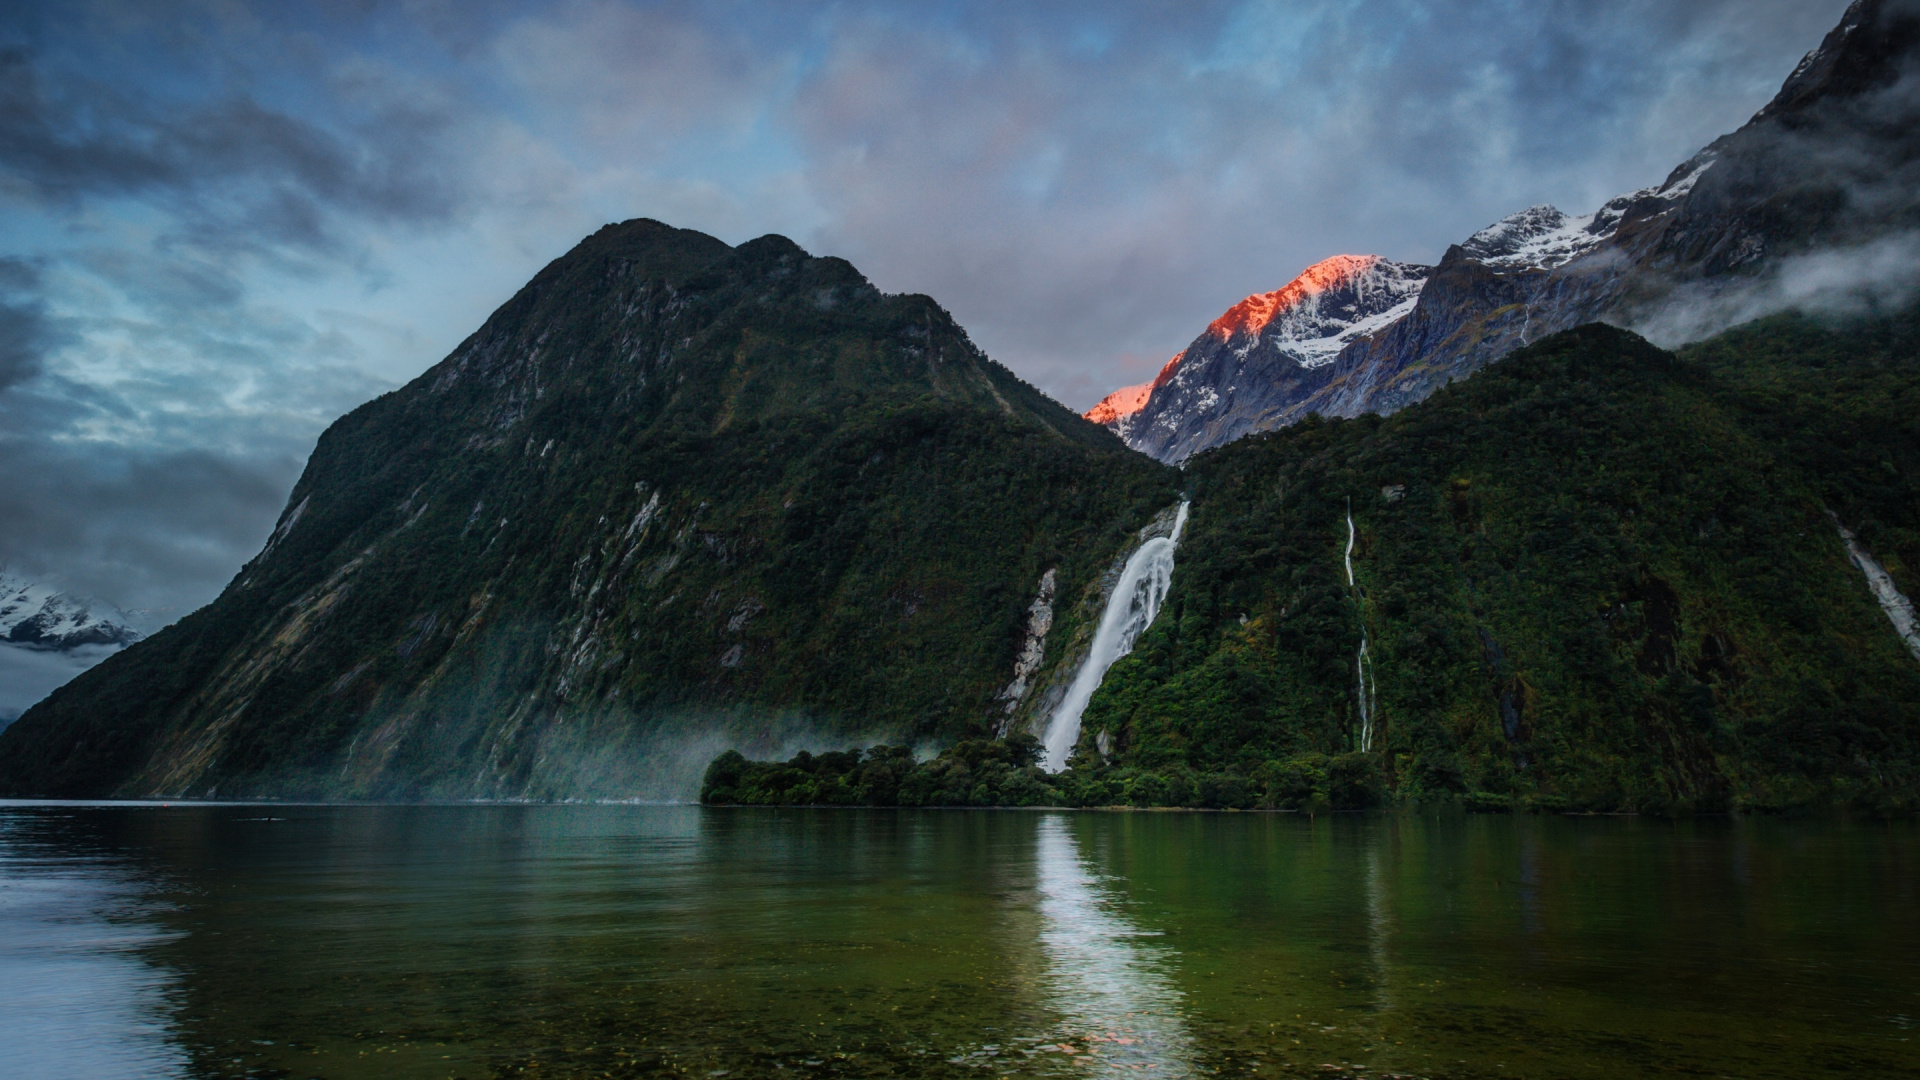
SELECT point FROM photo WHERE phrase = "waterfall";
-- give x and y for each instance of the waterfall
(1362, 667)
(1899, 609)
(1130, 610)
(1365, 688)
(1350, 538)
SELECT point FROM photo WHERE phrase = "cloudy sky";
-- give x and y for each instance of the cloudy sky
(223, 224)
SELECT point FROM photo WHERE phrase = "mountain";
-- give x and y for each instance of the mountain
(1116, 411)
(41, 617)
(672, 494)
(47, 637)
(1814, 202)
(1596, 576)
(1261, 351)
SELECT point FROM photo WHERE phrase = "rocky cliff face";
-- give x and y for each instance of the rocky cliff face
(672, 490)
(1797, 207)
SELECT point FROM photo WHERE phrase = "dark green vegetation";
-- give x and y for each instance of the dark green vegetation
(1842, 407)
(1596, 576)
(1005, 772)
(670, 489)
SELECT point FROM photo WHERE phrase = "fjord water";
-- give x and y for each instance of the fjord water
(480, 941)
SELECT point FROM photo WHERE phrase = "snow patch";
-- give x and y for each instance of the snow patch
(1314, 329)
(1540, 238)
(41, 617)
(1544, 237)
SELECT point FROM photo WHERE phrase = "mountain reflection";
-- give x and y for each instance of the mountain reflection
(1116, 1001)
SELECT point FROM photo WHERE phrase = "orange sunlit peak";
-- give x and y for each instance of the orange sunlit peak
(1131, 399)
(1250, 316)
(1122, 402)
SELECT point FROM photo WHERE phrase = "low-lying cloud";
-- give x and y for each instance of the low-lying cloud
(1874, 278)
(27, 675)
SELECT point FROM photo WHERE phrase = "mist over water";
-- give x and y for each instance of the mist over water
(665, 764)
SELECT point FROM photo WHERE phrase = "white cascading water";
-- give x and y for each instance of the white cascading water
(1899, 609)
(1361, 663)
(1130, 610)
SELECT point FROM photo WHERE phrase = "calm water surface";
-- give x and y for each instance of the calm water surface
(230, 941)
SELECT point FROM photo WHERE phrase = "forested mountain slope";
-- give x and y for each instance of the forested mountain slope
(671, 487)
(1597, 575)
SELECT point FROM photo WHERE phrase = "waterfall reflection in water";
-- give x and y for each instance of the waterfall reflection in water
(1115, 998)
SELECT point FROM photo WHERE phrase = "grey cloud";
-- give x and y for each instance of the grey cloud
(155, 531)
(1074, 208)
(1848, 169)
(237, 172)
(27, 675)
(1084, 184)
(611, 71)
(1880, 276)
(27, 332)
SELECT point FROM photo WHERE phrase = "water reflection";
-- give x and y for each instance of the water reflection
(393, 943)
(78, 998)
(1117, 1000)
(1379, 921)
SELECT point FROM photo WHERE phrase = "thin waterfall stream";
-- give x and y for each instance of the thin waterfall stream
(1136, 599)
(1362, 664)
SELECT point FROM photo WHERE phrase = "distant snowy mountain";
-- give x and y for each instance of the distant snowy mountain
(1768, 217)
(40, 617)
(47, 637)
(1543, 238)
(1224, 383)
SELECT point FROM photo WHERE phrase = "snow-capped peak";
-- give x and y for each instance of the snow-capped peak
(1122, 402)
(41, 617)
(1257, 312)
(1369, 299)
(1332, 302)
(1542, 237)
(1539, 237)
(1304, 324)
